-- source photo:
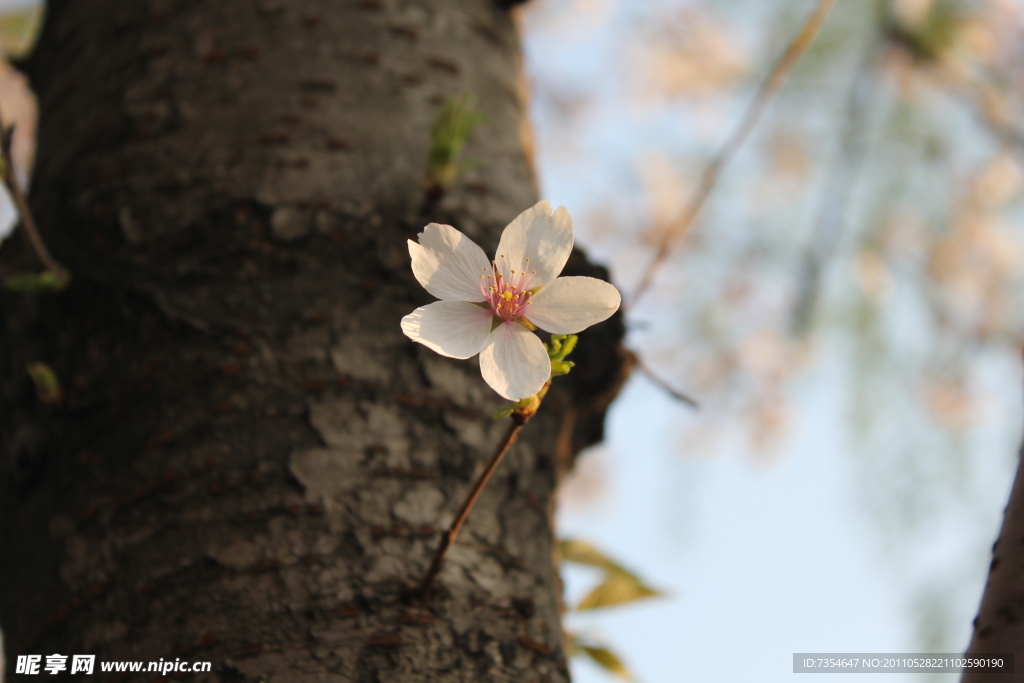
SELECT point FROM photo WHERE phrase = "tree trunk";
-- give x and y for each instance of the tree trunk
(999, 626)
(250, 463)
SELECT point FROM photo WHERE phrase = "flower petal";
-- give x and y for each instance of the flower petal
(456, 329)
(448, 264)
(572, 304)
(515, 363)
(537, 235)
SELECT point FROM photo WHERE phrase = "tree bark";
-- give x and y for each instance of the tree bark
(999, 626)
(250, 463)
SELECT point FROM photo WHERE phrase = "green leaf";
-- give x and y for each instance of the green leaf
(618, 588)
(606, 659)
(47, 383)
(505, 412)
(575, 644)
(46, 281)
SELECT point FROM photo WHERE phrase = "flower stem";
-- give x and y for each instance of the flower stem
(519, 419)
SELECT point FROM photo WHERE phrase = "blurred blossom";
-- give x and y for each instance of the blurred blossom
(904, 234)
(688, 53)
(999, 181)
(950, 401)
(976, 262)
(980, 41)
(764, 352)
(587, 483)
(991, 35)
(873, 274)
(772, 421)
(665, 191)
(911, 12)
(570, 20)
(787, 155)
(18, 108)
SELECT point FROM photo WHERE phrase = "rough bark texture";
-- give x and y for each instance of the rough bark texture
(251, 462)
(999, 626)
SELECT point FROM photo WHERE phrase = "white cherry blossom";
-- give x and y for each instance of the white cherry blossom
(489, 307)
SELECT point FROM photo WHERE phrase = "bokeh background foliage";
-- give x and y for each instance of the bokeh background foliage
(847, 307)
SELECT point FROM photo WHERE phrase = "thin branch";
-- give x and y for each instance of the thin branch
(665, 386)
(836, 197)
(678, 231)
(10, 180)
(519, 420)
(982, 96)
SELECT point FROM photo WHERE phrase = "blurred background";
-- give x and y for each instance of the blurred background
(847, 309)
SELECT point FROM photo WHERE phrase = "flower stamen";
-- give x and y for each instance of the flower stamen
(506, 296)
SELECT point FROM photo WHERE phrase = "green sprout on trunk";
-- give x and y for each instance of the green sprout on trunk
(452, 126)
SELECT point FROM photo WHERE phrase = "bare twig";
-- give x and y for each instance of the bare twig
(10, 180)
(678, 231)
(519, 419)
(657, 379)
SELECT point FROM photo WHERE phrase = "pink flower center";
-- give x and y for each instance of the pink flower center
(506, 291)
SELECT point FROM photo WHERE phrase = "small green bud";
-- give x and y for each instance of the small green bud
(47, 383)
(561, 345)
(561, 367)
(568, 345)
(46, 281)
